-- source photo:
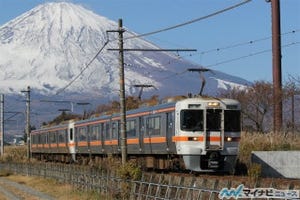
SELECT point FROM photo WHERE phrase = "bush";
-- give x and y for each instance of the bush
(254, 172)
(128, 171)
(14, 154)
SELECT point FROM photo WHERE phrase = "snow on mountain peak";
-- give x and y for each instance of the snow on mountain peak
(50, 44)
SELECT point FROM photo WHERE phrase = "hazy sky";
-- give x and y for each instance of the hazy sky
(242, 35)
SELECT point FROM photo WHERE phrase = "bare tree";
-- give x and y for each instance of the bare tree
(291, 96)
(256, 102)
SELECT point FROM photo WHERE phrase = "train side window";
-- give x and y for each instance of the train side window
(131, 128)
(47, 138)
(101, 131)
(52, 136)
(71, 134)
(95, 133)
(61, 136)
(107, 134)
(39, 139)
(82, 134)
(115, 130)
(33, 139)
(154, 125)
(98, 133)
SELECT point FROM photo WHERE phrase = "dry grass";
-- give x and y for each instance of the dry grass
(14, 154)
(266, 142)
(55, 189)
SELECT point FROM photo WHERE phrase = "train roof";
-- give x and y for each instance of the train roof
(147, 109)
(132, 112)
(51, 127)
(210, 99)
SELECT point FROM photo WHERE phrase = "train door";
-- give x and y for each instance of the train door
(71, 140)
(115, 136)
(170, 132)
(107, 137)
(214, 129)
(141, 134)
(101, 129)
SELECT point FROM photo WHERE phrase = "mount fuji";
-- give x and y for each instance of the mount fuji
(49, 46)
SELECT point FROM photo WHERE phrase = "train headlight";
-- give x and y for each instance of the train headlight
(229, 139)
(213, 104)
(193, 138)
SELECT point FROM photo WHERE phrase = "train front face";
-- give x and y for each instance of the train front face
(207, 133)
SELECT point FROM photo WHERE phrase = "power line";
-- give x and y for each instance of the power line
(228, 61)
(230, 46)
(250, 55)
(244, 43)
(189, 22)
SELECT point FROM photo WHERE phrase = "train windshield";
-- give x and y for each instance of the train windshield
(232, 120)
(191, 120)
(213, 119)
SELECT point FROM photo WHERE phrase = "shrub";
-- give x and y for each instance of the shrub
(254, 172)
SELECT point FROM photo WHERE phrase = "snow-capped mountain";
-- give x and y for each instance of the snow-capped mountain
(48, 46)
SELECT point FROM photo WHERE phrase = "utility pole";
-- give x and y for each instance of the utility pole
(123, 134)
(121, 50)
(276, 62)
(28, 121)
(2, 123)
(122, 95)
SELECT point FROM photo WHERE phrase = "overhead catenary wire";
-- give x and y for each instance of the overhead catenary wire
(228, 61)
(190, 21)
(151, 33)
(212, 65)
(250, 55)
(81, 72)
(231, 46)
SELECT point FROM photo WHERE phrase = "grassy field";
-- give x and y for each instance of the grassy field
(266, 142)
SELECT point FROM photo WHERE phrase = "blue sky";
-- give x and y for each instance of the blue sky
(249, 22)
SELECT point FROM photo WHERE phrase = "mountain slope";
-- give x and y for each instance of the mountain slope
(49, 46)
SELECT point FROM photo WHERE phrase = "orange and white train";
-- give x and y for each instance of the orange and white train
(198, 134)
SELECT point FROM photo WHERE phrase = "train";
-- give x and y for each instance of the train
(199, 134)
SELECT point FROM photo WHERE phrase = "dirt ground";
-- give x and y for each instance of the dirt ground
(14, 187)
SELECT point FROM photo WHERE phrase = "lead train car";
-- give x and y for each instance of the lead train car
(197, 134)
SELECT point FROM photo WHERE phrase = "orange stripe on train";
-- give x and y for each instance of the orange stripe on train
(196, 138)
(155, 140)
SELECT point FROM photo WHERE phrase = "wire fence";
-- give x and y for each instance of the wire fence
(151, 186)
